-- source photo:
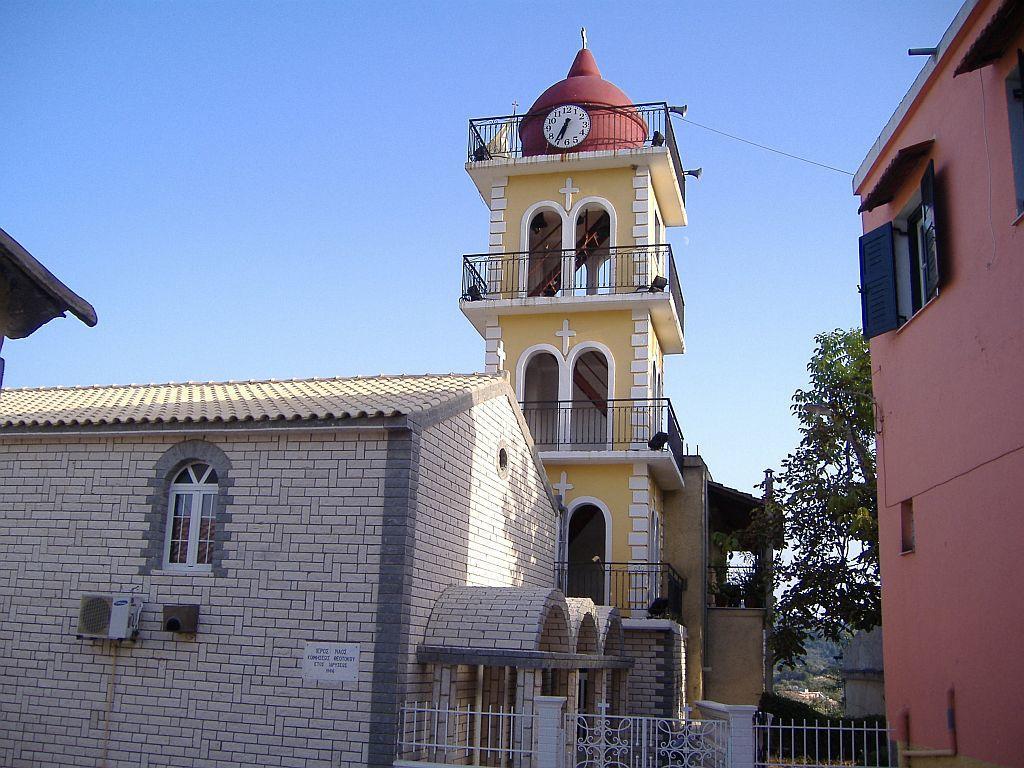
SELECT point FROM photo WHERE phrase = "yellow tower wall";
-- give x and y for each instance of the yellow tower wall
(612, 329)
(614, 185)
(610, 484)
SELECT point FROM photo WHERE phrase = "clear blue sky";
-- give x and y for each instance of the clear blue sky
(212, 177)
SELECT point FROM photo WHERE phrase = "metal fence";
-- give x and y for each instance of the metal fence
(465, 736)
(571, 272)
(611, 741)
(633, 588)
(823, 743)
(738, 586)
(649, 125)
(608, 425)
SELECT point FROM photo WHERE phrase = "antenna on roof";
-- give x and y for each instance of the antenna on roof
(583, 34)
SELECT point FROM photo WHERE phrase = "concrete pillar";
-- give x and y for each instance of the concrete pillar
(620, 692)
(444, 682)
(551, 742)
(597, 689)
(740, 720)
(528, 690)
(572, 697)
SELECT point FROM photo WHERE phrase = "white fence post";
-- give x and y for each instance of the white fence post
(741, 730)
(550, 731)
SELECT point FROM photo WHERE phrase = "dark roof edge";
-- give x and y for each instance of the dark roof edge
(369, 422)
(734, 494)
(46, 280)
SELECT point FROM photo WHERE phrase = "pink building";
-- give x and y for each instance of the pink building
(942, 281)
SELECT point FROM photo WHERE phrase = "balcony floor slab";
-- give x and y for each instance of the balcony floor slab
(661, 463)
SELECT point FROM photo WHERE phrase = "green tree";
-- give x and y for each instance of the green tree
(825, 494)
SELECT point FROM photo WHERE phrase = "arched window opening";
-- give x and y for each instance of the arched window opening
(545, 254)
(592, 267)
(540, 398)
(191, 518)
(587, 556)
(590, 400)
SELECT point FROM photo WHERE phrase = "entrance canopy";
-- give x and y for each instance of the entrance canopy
(521, 627)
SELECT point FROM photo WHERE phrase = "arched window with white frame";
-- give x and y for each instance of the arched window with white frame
(590, 407)
(191, 518)
(540, 389)
(544, 245)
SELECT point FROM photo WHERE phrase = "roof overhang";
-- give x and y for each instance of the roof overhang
(995, 38)
(34, 295)
(662, 464)
(920, 83)
(903, 165)
(730, 509)
(658, 159)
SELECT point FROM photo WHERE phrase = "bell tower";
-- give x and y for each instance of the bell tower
(578, 299)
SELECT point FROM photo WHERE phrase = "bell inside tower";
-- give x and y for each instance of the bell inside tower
(545, 257)
(592, 262)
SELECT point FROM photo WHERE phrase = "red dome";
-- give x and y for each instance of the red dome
(610, 128)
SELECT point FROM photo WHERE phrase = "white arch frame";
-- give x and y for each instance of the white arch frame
(524, 360)
(524, 235)
(581, 501)
(564, 386)
(574, 215)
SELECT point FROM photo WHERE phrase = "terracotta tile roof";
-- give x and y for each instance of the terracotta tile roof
(236, 401)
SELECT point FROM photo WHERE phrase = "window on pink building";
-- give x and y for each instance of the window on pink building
(907, 526)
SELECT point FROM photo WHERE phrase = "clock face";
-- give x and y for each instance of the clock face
(566, 126)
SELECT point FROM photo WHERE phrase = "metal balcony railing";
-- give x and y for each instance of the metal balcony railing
(633, 588)
(738, 586)
(570, 273)
(495, 138)
(607, 425)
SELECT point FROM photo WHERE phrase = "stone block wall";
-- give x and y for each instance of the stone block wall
(299, 563)
(657, 682)
(320, 529)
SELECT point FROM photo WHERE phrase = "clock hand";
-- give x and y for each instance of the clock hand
(565, 127)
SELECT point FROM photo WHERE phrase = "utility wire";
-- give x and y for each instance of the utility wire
(762, 146)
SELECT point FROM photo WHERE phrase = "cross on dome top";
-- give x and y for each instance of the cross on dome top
(583, 85)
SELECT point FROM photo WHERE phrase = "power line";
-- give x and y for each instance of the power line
(763, 146)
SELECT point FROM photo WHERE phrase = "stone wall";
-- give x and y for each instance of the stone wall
(470, 522)
(300, 563)
(320, 527)
(685, 536)
(657, 682)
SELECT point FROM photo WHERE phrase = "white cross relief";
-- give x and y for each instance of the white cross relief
(568, 190)
(500, 352)
(563, 486)
(565, 334)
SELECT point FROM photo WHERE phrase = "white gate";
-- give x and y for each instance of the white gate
(614, 741)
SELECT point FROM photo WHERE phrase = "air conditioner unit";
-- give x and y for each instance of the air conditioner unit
(111, 617)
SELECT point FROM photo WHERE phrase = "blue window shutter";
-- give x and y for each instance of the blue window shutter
(930, 257)
(878, 282)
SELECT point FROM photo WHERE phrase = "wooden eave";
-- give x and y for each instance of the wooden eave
(38, 296)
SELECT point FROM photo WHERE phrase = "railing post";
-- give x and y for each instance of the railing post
(740, 719)
(549, 748)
